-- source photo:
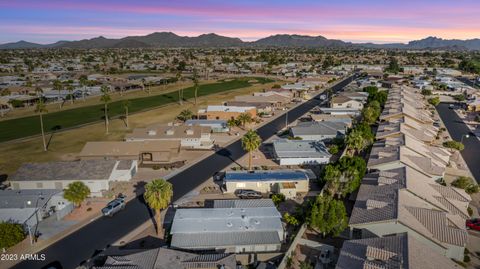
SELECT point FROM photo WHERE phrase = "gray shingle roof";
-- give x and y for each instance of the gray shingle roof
(77, 170)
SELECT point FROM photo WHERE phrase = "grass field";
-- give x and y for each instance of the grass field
(64, 146)
(29, 126)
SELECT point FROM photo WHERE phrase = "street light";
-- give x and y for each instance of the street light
(464, 135)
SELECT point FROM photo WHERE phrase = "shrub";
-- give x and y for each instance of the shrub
(76, 192)
(10, 234)
(434, 101)
(291, 220)
(426, 92)
(278, 198)
(454, 145)
(333, 149)
(470, 211)
(467, 184)
(466, 259)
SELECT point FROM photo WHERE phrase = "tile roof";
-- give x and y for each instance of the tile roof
(393, 252)
(412, 199)
(163, 258)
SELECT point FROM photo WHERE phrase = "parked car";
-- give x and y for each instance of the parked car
(113, 207)
(248, 194)
(473, 224)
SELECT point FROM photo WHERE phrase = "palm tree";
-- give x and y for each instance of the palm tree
(126, 104)
(355, 141)
(40, 109)
(105, 99)
(83, 82)
(250, 142)
(70, 90)
(185, 115)
(195, 84)
(158, 195)
(58, 86)
(180, 90)
(245, 118)
(231, 123)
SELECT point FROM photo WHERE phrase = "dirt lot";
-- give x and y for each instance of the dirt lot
(65, 145)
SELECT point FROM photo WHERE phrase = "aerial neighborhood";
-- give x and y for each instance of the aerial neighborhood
(234, 158)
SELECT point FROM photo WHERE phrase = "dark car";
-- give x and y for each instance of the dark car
(473, 224)
(248, 194)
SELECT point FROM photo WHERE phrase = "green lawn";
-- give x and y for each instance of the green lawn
(29, 126)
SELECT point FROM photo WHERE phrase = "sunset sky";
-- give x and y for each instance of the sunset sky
(379, 21)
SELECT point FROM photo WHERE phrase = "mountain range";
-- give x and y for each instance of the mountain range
(171, 40)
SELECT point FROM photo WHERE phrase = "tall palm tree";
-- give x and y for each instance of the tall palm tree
(180, 90)
(195, 84)
(245, 118)
(158, 195)
(185, 115)
(126, 104)
(41, 109)
(105, 98)
(58, 86)
(70, 90)
(250, 142)
(83, 82)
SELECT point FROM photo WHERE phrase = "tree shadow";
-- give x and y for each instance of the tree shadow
(54, 129)
(226, 153)
(124, 119)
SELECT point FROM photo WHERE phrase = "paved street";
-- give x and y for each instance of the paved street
(82, 245)
(457, 129)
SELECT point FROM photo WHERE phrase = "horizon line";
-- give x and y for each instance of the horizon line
(243, 40)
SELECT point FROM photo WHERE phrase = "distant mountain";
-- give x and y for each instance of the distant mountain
(435, 42)
(299, 41)
(21, 45)
(171, 40)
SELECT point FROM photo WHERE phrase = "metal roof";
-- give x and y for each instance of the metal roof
(20, 198)
(243, 203)
(219, 240)
(285, 148)
(319, 128)
(266, 175)
(225, 220)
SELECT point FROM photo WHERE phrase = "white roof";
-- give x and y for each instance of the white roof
(238, 109)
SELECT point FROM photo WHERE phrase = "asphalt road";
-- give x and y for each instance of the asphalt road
(457, 129)
(83, 244)
(469, 82)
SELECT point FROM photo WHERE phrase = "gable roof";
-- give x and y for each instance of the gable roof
(393, 252)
